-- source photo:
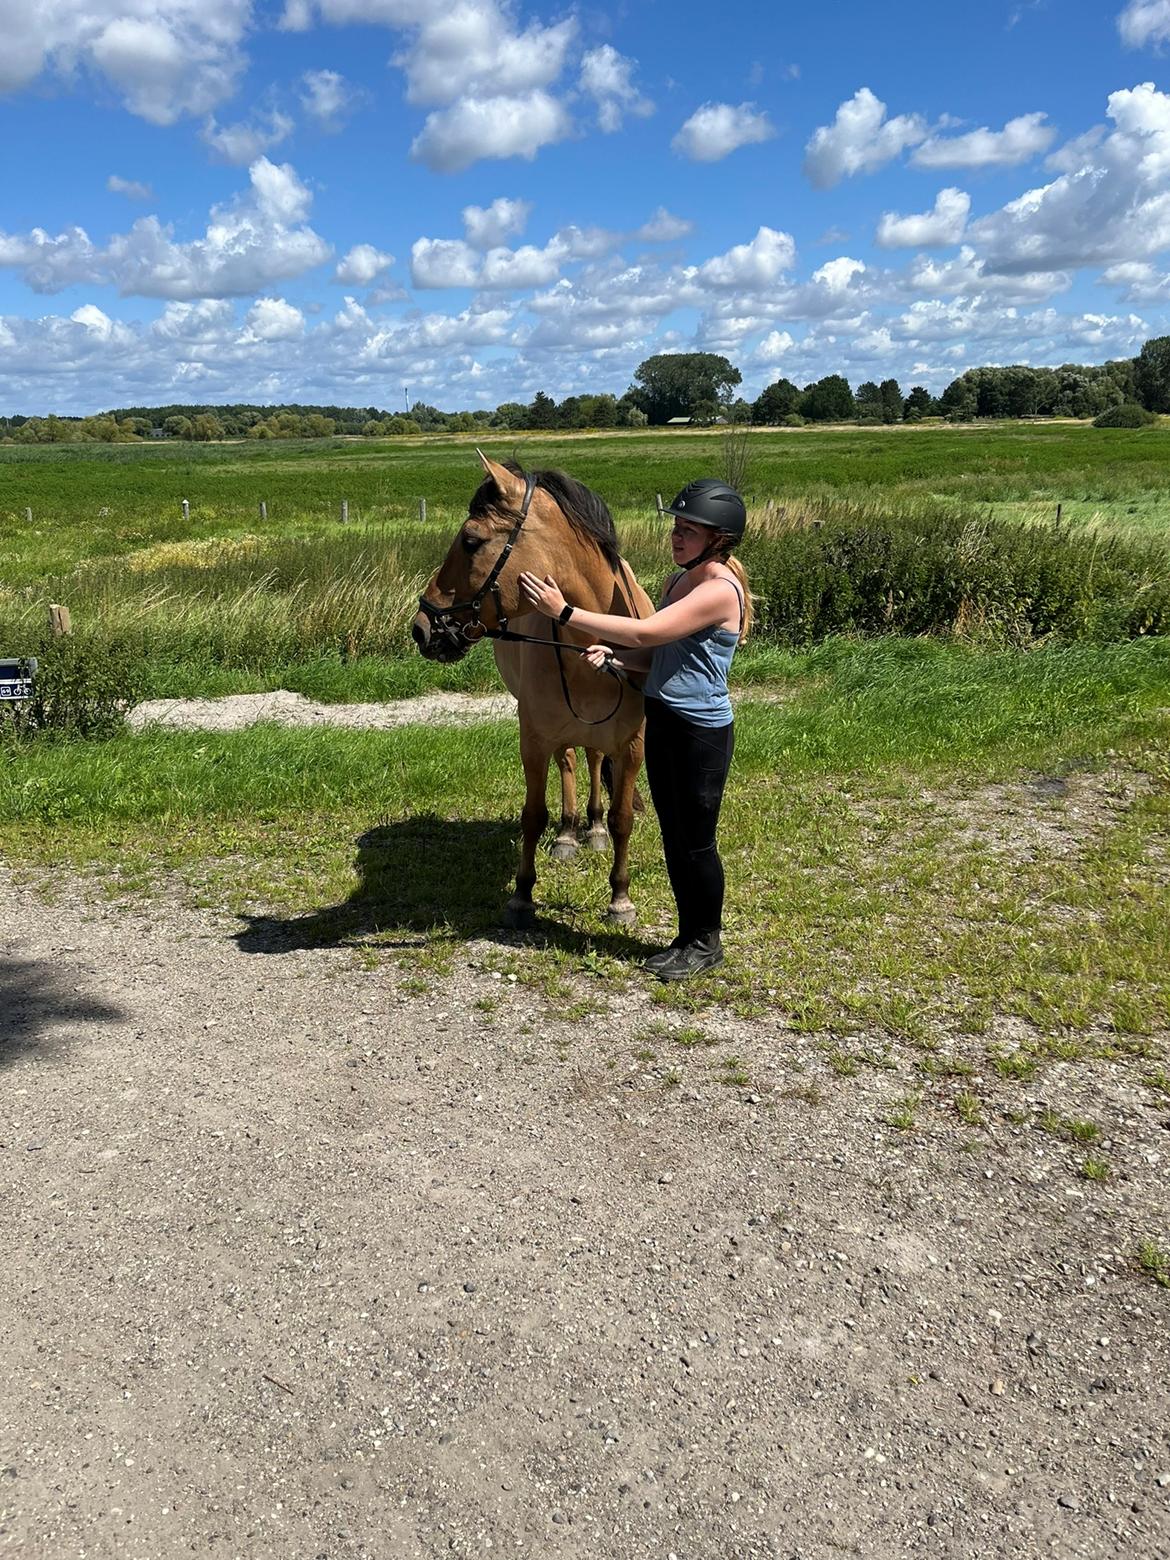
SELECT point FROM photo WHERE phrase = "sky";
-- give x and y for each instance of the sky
(372, 202)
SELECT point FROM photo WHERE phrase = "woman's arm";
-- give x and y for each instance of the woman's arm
(700, 608)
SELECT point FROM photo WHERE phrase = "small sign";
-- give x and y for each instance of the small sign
(16, 677)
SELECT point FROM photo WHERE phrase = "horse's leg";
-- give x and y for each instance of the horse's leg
(520, 912)
(621, 822)
(565, 845)
(597, 836)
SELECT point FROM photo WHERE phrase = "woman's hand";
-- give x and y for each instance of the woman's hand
(544, 595)
(601, 658)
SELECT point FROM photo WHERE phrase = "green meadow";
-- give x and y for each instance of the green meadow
(950, 802)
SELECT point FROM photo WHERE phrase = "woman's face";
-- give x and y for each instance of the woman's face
(687, 540)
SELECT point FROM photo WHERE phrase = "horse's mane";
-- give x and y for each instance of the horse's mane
(586, 513)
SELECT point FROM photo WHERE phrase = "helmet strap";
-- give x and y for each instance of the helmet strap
(711, 550)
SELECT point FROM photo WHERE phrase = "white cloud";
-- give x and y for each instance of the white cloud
(488, 227)
(836, 276)
(329, 98)
(362, 264)
(454, 138)
(1145, 22)
(968, 276)
(1138, 282)
(244, 142)
(272, 319)
(1020, 139)
(131, 188)
(172, 58)
(663, 228)
(443, 262)
(859, 140)
(606, 77)
(1111, 208)
(757, 264)
(249, 243)
(942, 226)
(773, 347)
(718, 129)
(472, 50)
(524, 267)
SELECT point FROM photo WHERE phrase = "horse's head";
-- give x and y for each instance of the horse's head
(476, 589)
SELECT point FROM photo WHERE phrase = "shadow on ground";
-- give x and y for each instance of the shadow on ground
(34, 996)
(427, 877)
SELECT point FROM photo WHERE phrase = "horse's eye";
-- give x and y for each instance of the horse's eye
(471, 543)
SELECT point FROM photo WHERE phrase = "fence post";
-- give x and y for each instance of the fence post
(422, 510)
(263, 510)
(658, 496)
(345, 511)
(28, 516)
(1058, 508)
(186, 510)
(60, 621)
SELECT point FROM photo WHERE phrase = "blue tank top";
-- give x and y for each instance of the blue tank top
(690, 675)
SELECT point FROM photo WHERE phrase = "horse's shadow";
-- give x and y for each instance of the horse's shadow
(427, 877)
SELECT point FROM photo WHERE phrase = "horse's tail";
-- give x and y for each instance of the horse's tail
(607, 782)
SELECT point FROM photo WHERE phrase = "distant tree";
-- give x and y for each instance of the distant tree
(919, 404)
(891, 397)
(510, 415)
(828, 400)
(569, 414)
(774, 404)
(869, 402)
(1151, 372)
(205, 427)
(542, 413)
(677, 384)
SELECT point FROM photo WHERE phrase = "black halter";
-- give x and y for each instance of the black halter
(442, 619)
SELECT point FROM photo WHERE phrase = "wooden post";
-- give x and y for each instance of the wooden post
(422, 510)
(28, 516)
(186, 510)
(1058, 508)
(345, 511)
(263, 510)
(658, 496)
(60, 621)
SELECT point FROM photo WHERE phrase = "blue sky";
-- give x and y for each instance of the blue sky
(346, 200)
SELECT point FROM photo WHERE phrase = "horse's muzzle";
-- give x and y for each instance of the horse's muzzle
(438, 640)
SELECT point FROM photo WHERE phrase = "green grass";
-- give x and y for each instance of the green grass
(222, 603)
(855, 905)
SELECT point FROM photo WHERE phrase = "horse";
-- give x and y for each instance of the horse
(547, 523)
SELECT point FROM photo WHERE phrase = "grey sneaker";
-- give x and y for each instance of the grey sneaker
(702, 954)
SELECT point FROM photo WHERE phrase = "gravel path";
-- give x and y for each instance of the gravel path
(237, 710)
(303, 1266)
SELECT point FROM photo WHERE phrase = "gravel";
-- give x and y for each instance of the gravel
(300, 1265)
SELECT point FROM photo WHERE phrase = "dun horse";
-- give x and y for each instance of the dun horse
(547, 523)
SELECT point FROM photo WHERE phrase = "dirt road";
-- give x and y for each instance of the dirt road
(299, 1265)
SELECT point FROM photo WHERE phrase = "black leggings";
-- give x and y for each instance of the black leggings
(687, 767)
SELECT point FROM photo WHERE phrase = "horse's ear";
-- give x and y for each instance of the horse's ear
(509, 486)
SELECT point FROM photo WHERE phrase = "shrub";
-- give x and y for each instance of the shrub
(1128, 414)
(793, 420)
(857, 570)
(83, 688)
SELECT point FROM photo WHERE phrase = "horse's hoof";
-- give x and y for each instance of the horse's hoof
(519, 918)
(598, 842)
(563, 850)
(621, 915)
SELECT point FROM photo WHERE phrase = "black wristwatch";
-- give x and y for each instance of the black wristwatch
(565, 613)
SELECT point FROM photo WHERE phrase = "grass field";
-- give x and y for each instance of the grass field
(946, 855)
(222, 602)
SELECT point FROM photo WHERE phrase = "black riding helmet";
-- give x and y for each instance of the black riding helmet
(707, 501)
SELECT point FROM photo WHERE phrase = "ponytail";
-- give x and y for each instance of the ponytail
(737, 568)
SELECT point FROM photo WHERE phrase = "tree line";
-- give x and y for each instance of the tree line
(697, 388)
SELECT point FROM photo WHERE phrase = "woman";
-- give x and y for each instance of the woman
(686, 647)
